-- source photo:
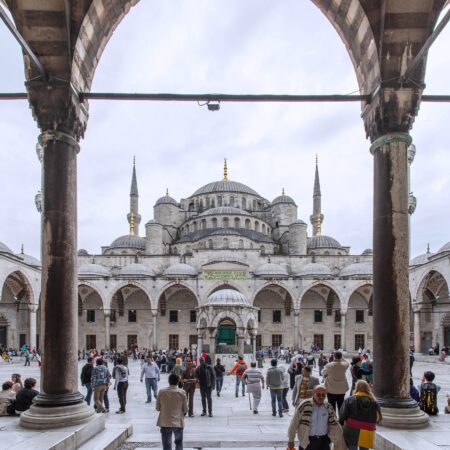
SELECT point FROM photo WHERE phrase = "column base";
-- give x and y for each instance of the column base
(46, 417)
(402, 413)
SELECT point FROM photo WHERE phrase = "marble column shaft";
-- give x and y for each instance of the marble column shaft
(107, 329)
(155, 332)
(417, 333)
(296, 331)
(33, 318)
(343, 331)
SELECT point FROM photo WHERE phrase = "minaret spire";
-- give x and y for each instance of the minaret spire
(133, 216)
(225, 170)
(317, 217)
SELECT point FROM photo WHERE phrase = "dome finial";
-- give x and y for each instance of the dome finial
(282, 191)
(132, 224)
(225, 170)
(21, 251)
(167, 192)
(428, 248)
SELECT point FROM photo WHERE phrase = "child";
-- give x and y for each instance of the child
(428, 394)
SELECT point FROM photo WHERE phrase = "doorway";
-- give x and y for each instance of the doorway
(226, 332)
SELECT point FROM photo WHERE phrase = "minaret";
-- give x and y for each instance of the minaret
(317, 217)
(134, 219)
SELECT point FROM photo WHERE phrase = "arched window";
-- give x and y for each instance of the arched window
(210, 244)
(186, 229)
(214, 222)
(213, 203)
(231, 201)
(219, 201)
(207, 203)
(237, 222)
(203, 224)
(195, 226)
(262, 250)
(241, 244)
(254, 204)
(263, 229)
(225, 242)
(256, 225)
(244, 203)
(247, 224)
(251, 245)
(226, 222)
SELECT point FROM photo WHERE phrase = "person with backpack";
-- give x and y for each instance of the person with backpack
(428, 394)
(239, 368)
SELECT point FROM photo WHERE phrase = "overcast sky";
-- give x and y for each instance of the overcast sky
(210, 46)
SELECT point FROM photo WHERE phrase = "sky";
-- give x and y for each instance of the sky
(213, 46)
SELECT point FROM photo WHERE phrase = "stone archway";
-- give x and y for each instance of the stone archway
(359, 319)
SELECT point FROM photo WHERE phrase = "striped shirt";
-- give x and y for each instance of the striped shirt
(253, 376)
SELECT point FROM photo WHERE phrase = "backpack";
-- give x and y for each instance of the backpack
(240, 370)
(428, 399)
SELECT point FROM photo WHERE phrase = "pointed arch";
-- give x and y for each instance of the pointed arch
(315, 284)
(94, 288)
(19, 278)
(135, 284)
(227, 314)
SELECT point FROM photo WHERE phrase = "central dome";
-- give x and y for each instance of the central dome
(225, 186)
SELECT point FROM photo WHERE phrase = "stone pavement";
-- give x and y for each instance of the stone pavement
(233, 424)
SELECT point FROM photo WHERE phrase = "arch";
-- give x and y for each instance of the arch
(227, 314)
(244, 203)
(202, 320)
(95, 289)
(269, 283)
(256, 225)
(271, 286)
(23, 279)
(135, 284)
(178, 283)
(232, 201)
(317, 283)
(237, 222)
(432, 286)
(214, 222)
(225, 222)
(247, 224)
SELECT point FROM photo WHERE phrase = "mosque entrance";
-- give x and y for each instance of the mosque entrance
(226, 333)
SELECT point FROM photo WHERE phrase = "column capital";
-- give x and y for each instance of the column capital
(58, 136)
(107, 313)
(388, 138)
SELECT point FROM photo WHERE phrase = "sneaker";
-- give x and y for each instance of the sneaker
(255, 412)
(203, 413)
(210, 414)
(281, 415)
(120, 412)
(274, 414)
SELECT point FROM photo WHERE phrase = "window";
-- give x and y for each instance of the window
(210, 244)
(113, 341)
(337, 341)
(247, 224)
(132, 315)
(359, 316)
(241, 244)
(337, 315)
(231, 201)
(277, 340)
(173, 317)
(213, 203)
(203, 224)
(244, 203)
(225, 242)
(193, 340)
(193, 315)
(226, 222)
(318, 341)
(259, 315)
(318, 315)
(256, 225)
(91, 341)
(360, 341)
(214, 222)
(237, 222)
(219, 201)
(262, 250)
(276, 316)
(174, 342)
(90, 315)
(195, 226)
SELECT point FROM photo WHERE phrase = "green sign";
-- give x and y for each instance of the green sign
(225, 275)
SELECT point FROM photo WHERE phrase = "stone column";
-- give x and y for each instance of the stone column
(107, 313)
(417, 333)
(155, 330)
(390, 282)
(296, 331)
(32, 330)
(241, 342)
(199, 342)
(343, 330)
(212, 345)
(59, 402)
(254, 344)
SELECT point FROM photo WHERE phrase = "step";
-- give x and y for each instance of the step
(110, 438)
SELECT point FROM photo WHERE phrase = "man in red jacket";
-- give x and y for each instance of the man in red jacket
(239, 368)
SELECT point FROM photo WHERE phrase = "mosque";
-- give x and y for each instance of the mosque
(224, 270)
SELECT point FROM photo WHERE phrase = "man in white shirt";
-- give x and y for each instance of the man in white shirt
(150, 371)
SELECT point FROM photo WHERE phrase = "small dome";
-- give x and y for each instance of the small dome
(83, 252)
(360, 270)
(322, 241)
(166, 200)
(136, 269)
(180, 270)
(229, 210)
(420, 259)
(445, 248)
(93, 270)
(225, 186)
(271, 270)
(28, 259)
(129, 241)
(283, 199)
(227, 297)
(5, 249)
(226, 257)
(367, 252)
(314, 270)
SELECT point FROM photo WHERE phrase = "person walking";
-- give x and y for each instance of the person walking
(239, 368)
(219, 370)
(206, 378)
(86, 375)
(189, 378)
(315, 423)
(357, 371)
(172, 406)
(121, 373)
(150, 372)
(335, 380)
(359, 415)
(26, 353)
(254, 380)
(274, 382)
(285, 389)
(304, 385)
(99, 382)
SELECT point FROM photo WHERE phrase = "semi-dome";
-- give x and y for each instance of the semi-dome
(224, 256)
(228, 210)
(28, 259)
(420, 259)
(83, 252)
(5, 249)
(444, 248)
(360, 270)
(166, 200)
(129, 241)
(224, 186)
(271, 270)
(93, 270)
(314, 270)
(180, 270)
(322, 241)
(226, 297)
(136, 269)
(283, 198)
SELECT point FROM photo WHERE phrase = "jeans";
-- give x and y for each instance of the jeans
(219, 384)
(151, 384)
(205, 392)
(276, 397)
(336, 400)
(284, 401)
(88, 393)
(166, 437)
(122, 388)
(238, 382)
